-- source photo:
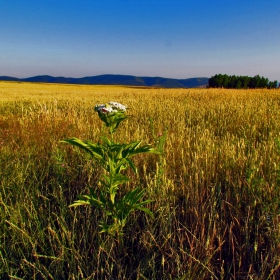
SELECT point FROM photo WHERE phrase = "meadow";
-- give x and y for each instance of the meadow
(215, 186)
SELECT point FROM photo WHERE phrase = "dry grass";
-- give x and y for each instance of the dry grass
(215, 188)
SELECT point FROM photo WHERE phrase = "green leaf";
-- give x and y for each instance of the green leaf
(106, 140)
(89, 200)
(138, 196)
(105, 183)
(119, 179)
(145, 202)
(95, 150)
(129, 203)
(130, 148)
(96, 202)
(131, 165)
(79, 203)
(107, 178)
(112, 120)
(144, 150)
(146, 210)
(119, 152)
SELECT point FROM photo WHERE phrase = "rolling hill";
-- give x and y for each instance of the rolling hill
(109, 79)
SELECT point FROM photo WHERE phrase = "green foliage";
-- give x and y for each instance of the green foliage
(238, 82)
(112, 121)
(114, 158)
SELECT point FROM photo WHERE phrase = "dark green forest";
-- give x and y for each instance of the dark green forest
(238, 82)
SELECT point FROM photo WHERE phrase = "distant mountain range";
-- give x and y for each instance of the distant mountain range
(117, 80)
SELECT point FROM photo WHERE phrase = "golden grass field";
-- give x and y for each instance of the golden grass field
(215, 188)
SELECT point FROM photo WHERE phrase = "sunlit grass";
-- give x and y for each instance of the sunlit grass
(215, 189)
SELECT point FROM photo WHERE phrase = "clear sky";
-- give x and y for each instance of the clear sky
(167, 38)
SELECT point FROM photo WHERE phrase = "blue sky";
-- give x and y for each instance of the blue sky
(167, 38)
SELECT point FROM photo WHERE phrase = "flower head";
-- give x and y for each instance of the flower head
(112, 114)
(99, 107)
(110, 107)
(117, 106)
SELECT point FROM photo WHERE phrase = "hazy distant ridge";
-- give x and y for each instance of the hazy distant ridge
(117, 80)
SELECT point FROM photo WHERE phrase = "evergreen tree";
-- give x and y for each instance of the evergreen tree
(226, 81)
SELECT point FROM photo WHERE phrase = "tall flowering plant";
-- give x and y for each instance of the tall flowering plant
(114, 158)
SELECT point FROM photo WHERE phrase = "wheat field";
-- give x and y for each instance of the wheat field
(215, 187)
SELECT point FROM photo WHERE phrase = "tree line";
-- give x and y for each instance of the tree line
(227, 81)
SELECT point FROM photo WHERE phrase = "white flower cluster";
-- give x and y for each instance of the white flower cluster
(110, 107)
(117, 106)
